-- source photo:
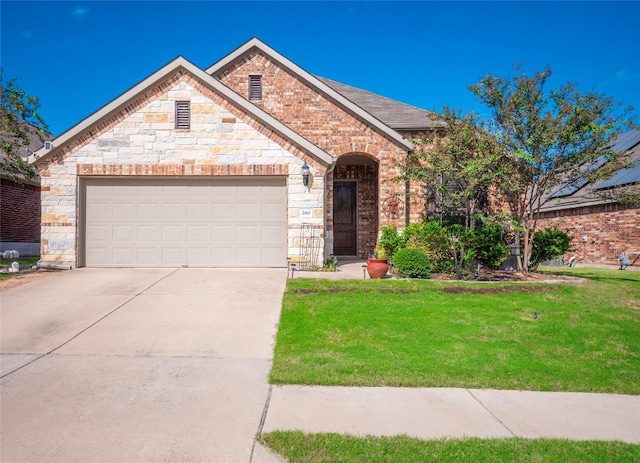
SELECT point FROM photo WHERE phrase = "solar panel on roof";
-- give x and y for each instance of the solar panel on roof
(569, 188)
(622, 177)
(627, 140)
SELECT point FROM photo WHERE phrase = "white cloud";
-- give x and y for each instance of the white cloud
(621, 75)
(624, 74)
(80, 12)
(28, 34)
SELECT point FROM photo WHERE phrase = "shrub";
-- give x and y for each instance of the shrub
(488, 245)
(547, 244)
(431, 238)
(390, 240)
(412, 263)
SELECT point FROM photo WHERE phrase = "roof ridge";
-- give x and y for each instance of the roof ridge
(141, 87)
(375, 94)
(355, 109)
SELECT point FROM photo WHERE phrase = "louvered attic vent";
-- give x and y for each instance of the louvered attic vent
(183, 114)
(255, 87)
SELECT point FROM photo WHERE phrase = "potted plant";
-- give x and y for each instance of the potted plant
(377, 263)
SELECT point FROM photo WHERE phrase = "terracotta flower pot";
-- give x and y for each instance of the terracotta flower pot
(377, 268)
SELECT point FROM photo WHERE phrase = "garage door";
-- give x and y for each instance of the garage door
(195, 223)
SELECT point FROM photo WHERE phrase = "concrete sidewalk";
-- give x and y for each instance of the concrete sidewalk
(434, 413)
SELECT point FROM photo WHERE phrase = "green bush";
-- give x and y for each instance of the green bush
(488, 245)
(390, 240)
(412, 263)
(432, 239)
(547, 244)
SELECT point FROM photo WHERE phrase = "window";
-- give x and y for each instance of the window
(183, 114)
(255, 87)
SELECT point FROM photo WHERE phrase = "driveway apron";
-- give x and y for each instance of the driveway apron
(113, 365)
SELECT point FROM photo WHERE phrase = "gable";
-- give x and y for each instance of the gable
(148, 137)
(150, 89)
(294, 96)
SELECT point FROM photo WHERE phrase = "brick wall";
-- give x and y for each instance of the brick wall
(610, 228)
(19, 212)
(367, 179)
(321, 121)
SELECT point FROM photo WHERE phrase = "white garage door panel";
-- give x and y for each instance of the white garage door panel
(173, 223)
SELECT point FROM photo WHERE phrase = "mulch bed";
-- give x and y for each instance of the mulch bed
(486, 276)
(500, 289)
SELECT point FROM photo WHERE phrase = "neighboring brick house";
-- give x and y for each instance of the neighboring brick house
(601, 228)
(20, 208)
(205, 168)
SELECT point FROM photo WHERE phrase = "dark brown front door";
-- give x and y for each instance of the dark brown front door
(345, 229)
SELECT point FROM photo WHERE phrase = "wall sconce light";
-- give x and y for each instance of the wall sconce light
(305, 174)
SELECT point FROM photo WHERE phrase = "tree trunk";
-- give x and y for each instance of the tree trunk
(518, 258)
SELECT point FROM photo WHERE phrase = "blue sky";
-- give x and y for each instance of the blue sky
(77, 56)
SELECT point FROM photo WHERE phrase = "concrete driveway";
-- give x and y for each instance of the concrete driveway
(115, 365)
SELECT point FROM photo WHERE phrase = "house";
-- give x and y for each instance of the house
(602, 227)
(20, 206)
(249, 163)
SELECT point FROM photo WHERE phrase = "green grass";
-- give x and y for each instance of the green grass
(25, 262)
(316, 448)
(583, 337)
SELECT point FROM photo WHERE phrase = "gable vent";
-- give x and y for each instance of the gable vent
(255, 87)
(183, 114)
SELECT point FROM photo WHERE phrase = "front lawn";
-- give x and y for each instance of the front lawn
(316, 448)
(564, 337)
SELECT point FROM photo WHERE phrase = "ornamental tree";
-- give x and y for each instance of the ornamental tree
(454, 165)
(548, 138)
(19, 124)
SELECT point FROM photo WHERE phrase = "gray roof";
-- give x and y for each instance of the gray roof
(583, 193)
(34, 142)
(26, 150)
(397, 115)
(357, 111)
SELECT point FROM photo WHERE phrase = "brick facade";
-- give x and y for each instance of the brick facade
(308, 122)
(610, 229)
(367, 178)
(320, 120)
(230, 138)
(19, 212)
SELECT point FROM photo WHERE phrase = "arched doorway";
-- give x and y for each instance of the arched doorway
(355, 205)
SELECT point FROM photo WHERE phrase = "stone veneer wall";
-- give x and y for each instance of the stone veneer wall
(142, 140)
(610, 228)
(327, 125)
